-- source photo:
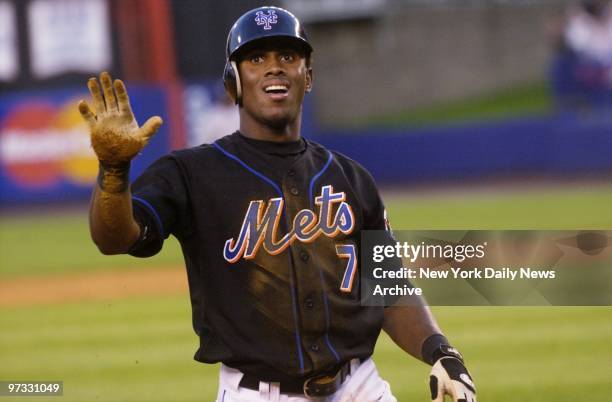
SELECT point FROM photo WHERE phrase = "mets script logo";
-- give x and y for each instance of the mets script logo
(260, 227)
(266, 19)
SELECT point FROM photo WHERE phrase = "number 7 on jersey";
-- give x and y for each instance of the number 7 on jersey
(348, 251)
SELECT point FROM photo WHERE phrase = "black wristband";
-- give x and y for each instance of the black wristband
(114, 177)
(430, 350)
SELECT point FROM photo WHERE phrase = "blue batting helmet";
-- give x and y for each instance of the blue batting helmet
(259, 23)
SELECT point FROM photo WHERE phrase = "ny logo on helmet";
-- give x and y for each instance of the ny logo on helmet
(266, 19)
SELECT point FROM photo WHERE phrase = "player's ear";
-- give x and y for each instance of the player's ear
(309, 78)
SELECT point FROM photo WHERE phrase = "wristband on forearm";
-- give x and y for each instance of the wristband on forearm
(114, 177)
(437, 346)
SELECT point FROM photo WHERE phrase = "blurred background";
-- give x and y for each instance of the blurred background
(470, 114)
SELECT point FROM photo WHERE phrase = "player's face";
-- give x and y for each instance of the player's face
(275, 77)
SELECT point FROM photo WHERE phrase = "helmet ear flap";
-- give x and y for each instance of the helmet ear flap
(231, 81)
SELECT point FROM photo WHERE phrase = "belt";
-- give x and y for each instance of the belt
(317, 386)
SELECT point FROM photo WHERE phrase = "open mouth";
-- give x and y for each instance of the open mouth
(277, 91)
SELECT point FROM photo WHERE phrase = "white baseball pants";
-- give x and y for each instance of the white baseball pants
(362, 385)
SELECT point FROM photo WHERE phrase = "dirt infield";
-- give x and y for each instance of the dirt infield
(93, 286)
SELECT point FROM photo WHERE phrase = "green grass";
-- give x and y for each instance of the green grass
(553, 207)
(43, 244)
(533, 99)
(518, 354)
(141, 350)
(132, 350)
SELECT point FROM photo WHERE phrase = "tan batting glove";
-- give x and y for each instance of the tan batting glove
(450, 377)
(115, 135)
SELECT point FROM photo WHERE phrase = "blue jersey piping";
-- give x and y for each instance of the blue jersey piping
(298, 338)
(315, 177)
(325, 302)
(150, 207)
(250, 169)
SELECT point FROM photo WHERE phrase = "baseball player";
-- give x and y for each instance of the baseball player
(269, 224)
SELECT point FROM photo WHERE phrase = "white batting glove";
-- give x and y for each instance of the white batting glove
(450, 377)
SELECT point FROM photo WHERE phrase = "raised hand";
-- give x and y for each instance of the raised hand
(115, 135)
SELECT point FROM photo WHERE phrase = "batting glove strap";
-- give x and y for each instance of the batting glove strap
(446, 351)
(436, 347)
(450, 377)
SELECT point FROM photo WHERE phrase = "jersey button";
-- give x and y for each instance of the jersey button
(304, 256)
(314, 347)
(291, 173)
(294, 191)
(309, 303)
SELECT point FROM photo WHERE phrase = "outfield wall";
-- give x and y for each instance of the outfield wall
(415, 55)
(562, 145)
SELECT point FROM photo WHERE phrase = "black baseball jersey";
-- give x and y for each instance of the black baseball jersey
(270, 234)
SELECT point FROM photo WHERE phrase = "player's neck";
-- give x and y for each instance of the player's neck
(258, 131)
